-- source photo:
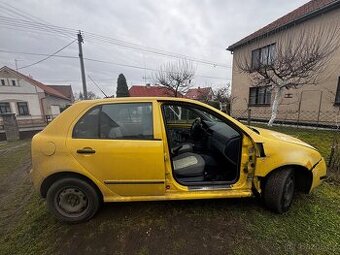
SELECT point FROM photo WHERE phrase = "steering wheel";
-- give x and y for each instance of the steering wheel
(196, 128)
(229, 150)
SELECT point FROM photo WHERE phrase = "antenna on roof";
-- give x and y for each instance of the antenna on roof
(16, 63)
(97, 85)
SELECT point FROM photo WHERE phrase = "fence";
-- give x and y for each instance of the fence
(24, 126)
(317, 119)
(30, 121)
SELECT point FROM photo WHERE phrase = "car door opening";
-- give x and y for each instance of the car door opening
(204, 148)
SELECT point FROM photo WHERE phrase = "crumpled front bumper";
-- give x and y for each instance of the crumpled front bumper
(319, 173)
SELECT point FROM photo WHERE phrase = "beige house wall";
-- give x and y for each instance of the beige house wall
(308, 100)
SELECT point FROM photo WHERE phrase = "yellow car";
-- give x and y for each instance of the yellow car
(143, 149)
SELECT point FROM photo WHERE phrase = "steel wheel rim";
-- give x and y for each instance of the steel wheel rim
(288, 192)
(71, 202)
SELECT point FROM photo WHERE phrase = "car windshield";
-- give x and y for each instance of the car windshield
(185, 114)
(207, 116)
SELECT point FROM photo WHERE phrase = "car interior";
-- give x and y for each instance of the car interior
(204, 148)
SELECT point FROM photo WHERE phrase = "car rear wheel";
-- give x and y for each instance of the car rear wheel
(279, 190)
(72, 200)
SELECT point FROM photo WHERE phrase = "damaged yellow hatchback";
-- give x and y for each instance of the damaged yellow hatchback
(142, 149)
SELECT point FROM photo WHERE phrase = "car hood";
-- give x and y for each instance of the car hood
(273, 135)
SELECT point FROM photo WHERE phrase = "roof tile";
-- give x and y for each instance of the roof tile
(151, 91)
(302, 11)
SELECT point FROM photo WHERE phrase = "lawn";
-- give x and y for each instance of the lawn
(225, 226)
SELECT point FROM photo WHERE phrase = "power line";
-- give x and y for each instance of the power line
(145, 68)
(11, 9)
(104, 39)
(101, 61)
(35, 54)
(35, 26)
(49, 56)
(121, 43)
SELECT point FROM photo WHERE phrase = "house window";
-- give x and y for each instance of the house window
(263, 56)
(260, 96)
(23, 108)
(5, 108)
(337, 97)
(3, 83)
(14, 83)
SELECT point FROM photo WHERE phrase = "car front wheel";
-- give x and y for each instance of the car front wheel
(72, 200)
(279, 190)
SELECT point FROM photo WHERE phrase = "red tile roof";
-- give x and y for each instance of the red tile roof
(47, 89)
(66, 90)
(151, 91)
(199, 93)
(308, 10)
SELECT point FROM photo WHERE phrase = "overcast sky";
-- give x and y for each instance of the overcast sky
(201, 29)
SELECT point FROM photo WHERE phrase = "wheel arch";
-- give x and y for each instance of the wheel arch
(46, 184)
(303, 177)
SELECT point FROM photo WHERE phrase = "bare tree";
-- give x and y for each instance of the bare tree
(176, 76)
(292, 62)
(223, 96)
(90, 95)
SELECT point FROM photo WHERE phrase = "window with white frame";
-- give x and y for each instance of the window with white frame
(3, 82)
(5, 107)
(23, 108)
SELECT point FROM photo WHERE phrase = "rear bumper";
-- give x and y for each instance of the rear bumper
(319, 173)
(36, 179)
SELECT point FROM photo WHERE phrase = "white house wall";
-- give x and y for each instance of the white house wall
(22, 92)
(31, 99)
(50, 103)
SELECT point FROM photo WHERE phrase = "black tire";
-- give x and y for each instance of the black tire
(72, 200)
(279, 190)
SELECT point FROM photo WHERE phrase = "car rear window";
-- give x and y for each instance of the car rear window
(116, 121)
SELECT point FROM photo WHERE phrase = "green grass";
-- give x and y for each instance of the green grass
(225, 226)
(10, 160)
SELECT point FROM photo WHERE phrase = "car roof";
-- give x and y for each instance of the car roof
(137, 99)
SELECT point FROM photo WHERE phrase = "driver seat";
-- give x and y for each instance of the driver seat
(189, 166)
(182, 148)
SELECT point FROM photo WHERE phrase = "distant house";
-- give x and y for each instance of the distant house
(318, 103)
(151, 91)
(31, 100)
(66, 90)
(200, 94)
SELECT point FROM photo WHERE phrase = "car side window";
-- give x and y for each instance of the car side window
(87, 126)
(178, 114)
(126, 121)
(116, 121)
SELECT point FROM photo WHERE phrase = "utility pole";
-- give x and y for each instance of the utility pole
(82, 68)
